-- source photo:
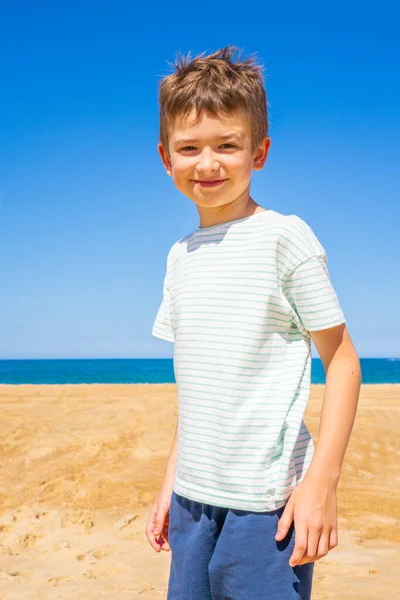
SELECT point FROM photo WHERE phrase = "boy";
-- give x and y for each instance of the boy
(247, 504)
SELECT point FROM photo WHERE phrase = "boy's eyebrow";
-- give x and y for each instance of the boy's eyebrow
(224, 136)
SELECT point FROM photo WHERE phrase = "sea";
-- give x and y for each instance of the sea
(151, 370)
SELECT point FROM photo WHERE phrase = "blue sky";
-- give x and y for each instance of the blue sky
(87, 214)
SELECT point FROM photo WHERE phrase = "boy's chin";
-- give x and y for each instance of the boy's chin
(210, 203)
(210, 198)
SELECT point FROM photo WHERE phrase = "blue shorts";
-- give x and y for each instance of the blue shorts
(228, 554)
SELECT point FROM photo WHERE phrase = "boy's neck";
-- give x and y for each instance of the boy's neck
(229, 212)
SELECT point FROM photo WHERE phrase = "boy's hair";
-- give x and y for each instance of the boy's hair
(214, 84)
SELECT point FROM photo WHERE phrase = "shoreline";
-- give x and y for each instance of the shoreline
(155, 384)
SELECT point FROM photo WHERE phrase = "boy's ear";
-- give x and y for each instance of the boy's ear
(165, 159)
(260, 155)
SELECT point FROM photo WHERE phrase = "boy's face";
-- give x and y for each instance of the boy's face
(211, 161)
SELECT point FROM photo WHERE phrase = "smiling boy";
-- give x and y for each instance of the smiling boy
(248, 504)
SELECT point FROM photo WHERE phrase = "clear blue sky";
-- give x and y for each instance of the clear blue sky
(87, 214)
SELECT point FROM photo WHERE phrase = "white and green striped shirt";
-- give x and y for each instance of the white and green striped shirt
(239, 301)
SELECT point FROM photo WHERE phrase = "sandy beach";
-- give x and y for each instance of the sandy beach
(81, 464)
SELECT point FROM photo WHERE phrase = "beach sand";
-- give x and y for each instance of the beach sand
(81, 464)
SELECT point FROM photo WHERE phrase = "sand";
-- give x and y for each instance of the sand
(81, 464)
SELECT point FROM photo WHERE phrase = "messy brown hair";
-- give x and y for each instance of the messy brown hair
(214, 84)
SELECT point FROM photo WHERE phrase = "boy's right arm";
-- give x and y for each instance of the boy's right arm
(169, 475)
(158, 521)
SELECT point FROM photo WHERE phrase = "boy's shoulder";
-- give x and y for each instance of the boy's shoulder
(294, 230)
(292, 224)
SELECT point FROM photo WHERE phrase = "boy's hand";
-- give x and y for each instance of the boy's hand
(158, 522)
(313, 508)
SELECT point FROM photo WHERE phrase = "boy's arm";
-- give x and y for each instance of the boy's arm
(169, 475)
(312, 504)
(342, 388)
(157, 523)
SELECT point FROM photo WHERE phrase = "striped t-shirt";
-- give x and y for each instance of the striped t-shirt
(239, 301)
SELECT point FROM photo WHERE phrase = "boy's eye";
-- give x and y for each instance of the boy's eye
(227, 145)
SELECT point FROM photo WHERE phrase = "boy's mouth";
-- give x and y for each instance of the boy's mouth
(208, 182)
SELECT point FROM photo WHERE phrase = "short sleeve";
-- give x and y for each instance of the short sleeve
(162, 327)
(307, 284)
(312, 297)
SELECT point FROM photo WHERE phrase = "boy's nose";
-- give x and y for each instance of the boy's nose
(207, 162)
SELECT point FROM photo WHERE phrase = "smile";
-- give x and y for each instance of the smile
(213, 183)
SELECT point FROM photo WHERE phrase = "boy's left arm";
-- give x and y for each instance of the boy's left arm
(313, 505)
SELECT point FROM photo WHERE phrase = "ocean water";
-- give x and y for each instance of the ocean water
(155, 370)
